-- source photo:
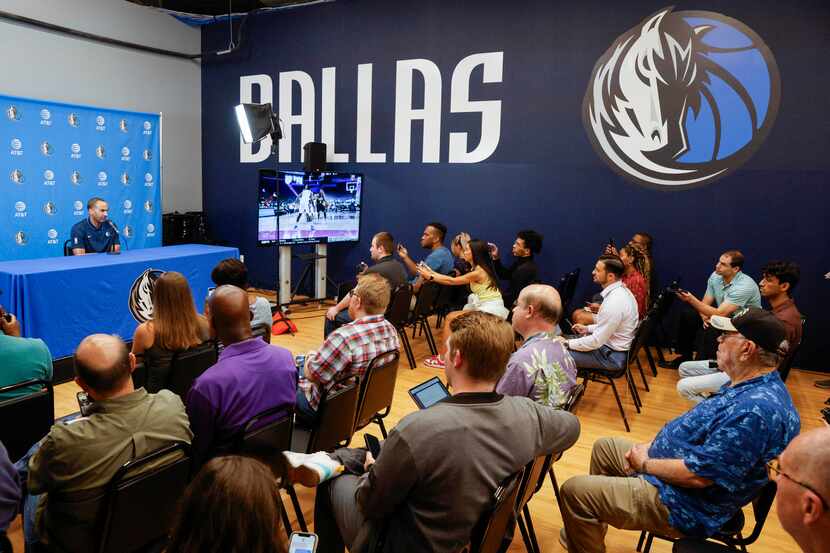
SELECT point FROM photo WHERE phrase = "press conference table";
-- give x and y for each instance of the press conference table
(64, 299)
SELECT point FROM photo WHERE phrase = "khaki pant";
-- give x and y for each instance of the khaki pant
(609, 496)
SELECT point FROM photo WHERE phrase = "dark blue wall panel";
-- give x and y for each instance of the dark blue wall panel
(544, 173)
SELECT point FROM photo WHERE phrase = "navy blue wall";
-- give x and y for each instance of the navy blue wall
(544, 173)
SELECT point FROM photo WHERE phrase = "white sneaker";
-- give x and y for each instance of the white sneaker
(310, 469)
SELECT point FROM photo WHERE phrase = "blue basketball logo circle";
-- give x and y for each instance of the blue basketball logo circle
(682, 99)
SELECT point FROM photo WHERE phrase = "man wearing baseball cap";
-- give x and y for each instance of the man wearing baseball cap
(703, 466)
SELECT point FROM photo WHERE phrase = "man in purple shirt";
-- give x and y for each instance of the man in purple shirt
(9, 490)
(541, 369)
(250, 377)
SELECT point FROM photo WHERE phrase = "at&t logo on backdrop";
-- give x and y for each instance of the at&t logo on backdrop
(20, 209)
(682, 99)
(125, 154)
(100, 123)
(76, 151)
(151, 230)
(102, 178)
(77, 207)
(45, 117)
(148, 179)
(48, 178)
(53, 236)
(17, 147)
(128, 207)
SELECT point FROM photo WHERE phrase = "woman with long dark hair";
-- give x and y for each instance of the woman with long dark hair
(232, 506)
(483, 283)
(176, 326)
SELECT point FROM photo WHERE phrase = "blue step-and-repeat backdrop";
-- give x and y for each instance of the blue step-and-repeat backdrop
(58, 156)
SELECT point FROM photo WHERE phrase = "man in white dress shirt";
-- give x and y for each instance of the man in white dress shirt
(604, 344)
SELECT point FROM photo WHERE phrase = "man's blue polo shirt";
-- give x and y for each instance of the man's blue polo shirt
(85, 235)
(728, 439)
(742, 291)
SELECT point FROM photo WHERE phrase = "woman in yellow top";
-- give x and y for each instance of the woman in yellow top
(483, 283)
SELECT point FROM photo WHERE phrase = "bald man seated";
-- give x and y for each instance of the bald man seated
(76, 460)
(250, 377)
(802, 473)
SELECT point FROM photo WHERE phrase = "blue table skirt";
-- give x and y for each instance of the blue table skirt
(64, 299)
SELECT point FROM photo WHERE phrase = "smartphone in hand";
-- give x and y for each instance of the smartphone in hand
(302, 542)
(372, 444)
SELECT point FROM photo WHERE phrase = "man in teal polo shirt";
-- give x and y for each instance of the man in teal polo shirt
(727, 290)
(96, 233)
(21, 359)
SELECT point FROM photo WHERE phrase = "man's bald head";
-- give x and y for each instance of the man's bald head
(807, 459)
(102, 362)
(230, 314)
(545, 300)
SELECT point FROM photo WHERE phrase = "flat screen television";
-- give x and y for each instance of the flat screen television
(308, 208)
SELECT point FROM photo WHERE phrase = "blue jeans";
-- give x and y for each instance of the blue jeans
(602, 358)
(30, 535)
(341, 319)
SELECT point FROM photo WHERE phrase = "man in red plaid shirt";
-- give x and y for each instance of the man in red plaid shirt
(349, 349)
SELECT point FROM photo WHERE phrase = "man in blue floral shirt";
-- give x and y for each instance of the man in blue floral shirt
(542, 368)
(703, 466)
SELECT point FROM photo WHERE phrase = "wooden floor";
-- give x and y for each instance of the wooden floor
(597, 412)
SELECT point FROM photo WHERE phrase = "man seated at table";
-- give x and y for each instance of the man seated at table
(76, 460)
(250, 377)
(703, 466)
(541, 369)
(349, 349)
(21, 359)
(385, 265)
(96, 233)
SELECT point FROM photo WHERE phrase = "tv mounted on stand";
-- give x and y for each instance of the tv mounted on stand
(297, 207)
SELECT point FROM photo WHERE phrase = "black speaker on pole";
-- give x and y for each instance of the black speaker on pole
(314, 157)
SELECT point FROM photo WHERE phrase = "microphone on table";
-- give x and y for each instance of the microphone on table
(115, 228)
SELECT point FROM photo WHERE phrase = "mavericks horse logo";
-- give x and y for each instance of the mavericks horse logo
(682, 99)
(141, 295)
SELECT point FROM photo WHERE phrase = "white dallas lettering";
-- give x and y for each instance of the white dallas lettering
(246, 94)
(305, 119)
(490, 109)
(405, 113)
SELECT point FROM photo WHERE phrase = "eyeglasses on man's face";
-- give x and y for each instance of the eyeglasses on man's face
(774, 472)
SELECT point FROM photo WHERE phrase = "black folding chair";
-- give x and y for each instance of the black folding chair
(571, 403)
(264, 437)
(36, 409)
(335, 419)
(640, 340)
(377, 388)
(608, 376)
(424, 307)
(139, 504)
(494, 531)
(732, 532)
(398, 314)
(188, 365)
(696, 545)
(532, 480)
(67, 248)
(443, 303)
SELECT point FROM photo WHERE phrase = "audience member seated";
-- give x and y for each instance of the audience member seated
(703, 466)
(9, 490)
(541, 369)
(232, 505)
(21, 359)
(605, 343)
(439, 258)
(77, 459)
(523, 271)
(457, 247)
(643, 242)
(423, 490)
(385, 265)
(727, 290)
(483, 283)
(349, 349)
(232, 271)
(698, 379)
(802, 473)
(176, 326)
(635, 266)
(250, 377)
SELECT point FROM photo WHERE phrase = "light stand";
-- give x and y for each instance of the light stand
(256, 121)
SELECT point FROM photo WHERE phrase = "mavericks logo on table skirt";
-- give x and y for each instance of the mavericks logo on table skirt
(141, 295)
(682, 99)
